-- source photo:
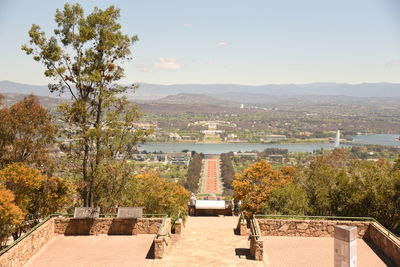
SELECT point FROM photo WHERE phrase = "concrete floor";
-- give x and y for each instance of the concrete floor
(312, 251)
(209, 241)
(102, 250)
(205, 241)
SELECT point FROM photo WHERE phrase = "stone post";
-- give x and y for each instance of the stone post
(178, 227)
(256, 248)
(345, 246)
(158, 248)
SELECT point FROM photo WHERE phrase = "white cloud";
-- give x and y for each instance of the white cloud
(222, 43)
(167, 64)
(393, 63)
(187, 24)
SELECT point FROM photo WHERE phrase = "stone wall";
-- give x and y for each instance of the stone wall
(390, 247)
(19, 254)
(306, 228)
(109, 226)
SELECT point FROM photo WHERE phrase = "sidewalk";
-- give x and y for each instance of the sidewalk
(209, 241)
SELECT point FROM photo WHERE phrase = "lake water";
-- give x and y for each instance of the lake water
(380, 139)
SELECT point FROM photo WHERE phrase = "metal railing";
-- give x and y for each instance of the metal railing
(22, 237)
(382, 228)
(162, 226)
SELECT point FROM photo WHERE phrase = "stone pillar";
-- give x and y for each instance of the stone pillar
(256, 248)
(178, 227)
(345, 246)
(243, 228)
(158, 248)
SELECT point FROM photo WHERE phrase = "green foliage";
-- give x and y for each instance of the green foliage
(340, 187)
(288, 199)
(227, 170)
(194, 172)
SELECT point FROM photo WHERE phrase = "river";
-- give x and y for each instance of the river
(379, 139)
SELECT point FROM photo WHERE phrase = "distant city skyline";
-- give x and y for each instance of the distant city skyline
(230, 42)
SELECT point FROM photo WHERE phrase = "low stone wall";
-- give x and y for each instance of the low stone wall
(109, 226)
(306, 228)
(19, 254)
(389, 246)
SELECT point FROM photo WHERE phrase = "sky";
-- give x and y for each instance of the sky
(227, 41)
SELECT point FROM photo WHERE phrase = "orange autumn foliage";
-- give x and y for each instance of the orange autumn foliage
(10, 214)
(35, 194)
(255, 183)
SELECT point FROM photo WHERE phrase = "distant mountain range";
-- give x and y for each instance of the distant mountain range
(224, 93)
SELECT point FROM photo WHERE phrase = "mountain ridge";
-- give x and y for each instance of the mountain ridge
(149, 91)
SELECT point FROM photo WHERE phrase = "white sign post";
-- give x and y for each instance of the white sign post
(345, 246)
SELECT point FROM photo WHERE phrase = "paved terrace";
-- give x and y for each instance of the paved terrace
(205, 241)
(209, 241)
(312, 252)
(102, 250)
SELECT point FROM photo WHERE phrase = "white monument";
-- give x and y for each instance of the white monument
(337, 139)
(345, 246)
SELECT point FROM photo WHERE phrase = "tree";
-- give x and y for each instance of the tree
(256, 182)
(322, 179)
(157, 195)
(26, 131)
(194, 172)
(35, 194)
(10, 215)
(288, 199)
(227, 170)
(84, 58)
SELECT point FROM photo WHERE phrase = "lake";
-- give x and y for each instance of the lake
(379, 139)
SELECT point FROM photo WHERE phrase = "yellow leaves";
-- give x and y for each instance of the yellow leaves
(255, 183)
(10, 214)
(18, 175)
(35, 193)
(159, 195)
(8, 209)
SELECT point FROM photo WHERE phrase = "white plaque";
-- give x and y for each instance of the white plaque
(130, 212)
(86, 212)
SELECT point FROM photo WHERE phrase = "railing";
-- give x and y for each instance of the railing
(162, 226)
(105, 215)
(27, 234)
(254, 229)
(383, 229)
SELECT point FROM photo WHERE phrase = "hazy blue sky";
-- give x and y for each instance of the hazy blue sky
(228, 41)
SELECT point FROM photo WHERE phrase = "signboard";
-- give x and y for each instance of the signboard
(130, 212)
(86, 212)
(210, 204)
(345, 246)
